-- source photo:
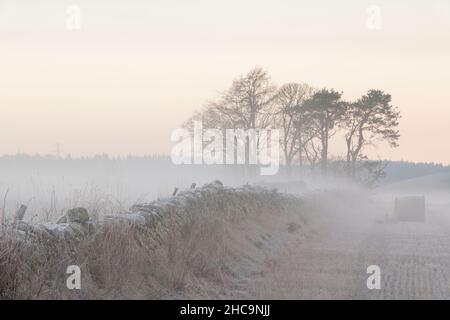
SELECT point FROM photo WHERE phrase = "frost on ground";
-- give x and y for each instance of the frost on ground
(414, 257)
(219, 242)
(188, 245)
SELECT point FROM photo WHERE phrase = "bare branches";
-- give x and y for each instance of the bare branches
(247, 104)
(307, 119)
(292, 118)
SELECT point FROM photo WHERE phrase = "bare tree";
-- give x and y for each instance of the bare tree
(292, 118)
(248, 103)
(371, 118)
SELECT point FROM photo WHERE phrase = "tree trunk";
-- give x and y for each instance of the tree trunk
(324, 154)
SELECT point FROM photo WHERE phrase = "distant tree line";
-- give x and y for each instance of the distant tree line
(308, 119)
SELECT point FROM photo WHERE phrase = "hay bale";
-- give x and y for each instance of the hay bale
(410, 208)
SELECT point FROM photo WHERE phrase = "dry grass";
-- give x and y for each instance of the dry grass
(197, 256)
(9, 265)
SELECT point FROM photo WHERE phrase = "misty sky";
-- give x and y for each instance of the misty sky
(137, 69)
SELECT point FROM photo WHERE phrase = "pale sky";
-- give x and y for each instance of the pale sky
(135, 70)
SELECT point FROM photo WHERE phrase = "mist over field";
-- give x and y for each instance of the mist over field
(224, 150)
(295, 235)
(50, 185)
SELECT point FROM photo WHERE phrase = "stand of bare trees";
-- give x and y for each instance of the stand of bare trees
(308, 119)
